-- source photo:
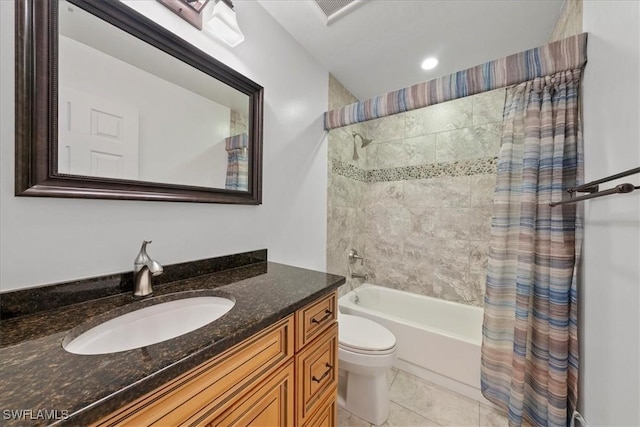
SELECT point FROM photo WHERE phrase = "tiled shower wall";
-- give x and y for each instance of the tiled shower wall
(427, 230)
(418, 202)
(345, 216)
(569, 22)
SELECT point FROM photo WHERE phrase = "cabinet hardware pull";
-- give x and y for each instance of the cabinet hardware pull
(327, 314)
(329, 367)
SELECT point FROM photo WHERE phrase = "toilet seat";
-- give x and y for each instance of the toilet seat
(368, 352)
(363, 336)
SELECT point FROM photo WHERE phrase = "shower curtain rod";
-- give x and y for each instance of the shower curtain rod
(593, 187)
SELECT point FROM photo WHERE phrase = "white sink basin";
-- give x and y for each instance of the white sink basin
(150, 325)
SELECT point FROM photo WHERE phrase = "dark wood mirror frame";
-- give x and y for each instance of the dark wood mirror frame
(37, 109)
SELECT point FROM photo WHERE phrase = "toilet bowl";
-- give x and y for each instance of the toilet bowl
(366, 351)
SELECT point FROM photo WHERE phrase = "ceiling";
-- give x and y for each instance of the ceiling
(378, 46)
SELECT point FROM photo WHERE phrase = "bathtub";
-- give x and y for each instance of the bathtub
(437, 340)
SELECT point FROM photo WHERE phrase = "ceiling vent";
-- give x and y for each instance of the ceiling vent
(335, 9)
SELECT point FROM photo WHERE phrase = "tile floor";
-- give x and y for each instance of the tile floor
(418, 403)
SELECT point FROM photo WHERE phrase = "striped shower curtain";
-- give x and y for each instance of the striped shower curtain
(529, 347)
(237, 162)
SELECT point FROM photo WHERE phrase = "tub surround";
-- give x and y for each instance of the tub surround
(345, 193)
(487, 165)
(569, 22)
(39, 374)
(417, 205)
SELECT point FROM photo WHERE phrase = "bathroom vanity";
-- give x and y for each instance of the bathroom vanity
(255, 382)
(271, 360)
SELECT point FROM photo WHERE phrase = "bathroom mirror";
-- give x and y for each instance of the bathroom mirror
(111, 105)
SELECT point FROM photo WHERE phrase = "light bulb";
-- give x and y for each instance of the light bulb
(429, 63)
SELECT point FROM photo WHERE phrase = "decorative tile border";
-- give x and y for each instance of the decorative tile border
(486, 165)
(566, 54)
(348, 171)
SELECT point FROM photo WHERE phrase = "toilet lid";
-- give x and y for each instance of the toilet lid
(364, 335)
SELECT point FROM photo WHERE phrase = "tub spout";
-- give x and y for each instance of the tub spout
(360, 276)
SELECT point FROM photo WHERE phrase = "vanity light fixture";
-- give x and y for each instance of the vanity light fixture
(215, 17)
(189, 10)
(429, 63)
(223, 24)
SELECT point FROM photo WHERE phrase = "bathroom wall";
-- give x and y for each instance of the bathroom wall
(569, 21)
(418, 202)
(610, 286)
(345, 193)
(428, 205)
(44, 240)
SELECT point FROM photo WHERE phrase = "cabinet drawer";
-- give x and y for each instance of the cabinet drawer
(271, 404)
(208, 389)
(316, 373)
(327, 415)
(314, 318)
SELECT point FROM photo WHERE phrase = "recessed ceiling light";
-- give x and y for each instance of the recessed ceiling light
(429, 63)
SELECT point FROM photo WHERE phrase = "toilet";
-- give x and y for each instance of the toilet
(366, 351)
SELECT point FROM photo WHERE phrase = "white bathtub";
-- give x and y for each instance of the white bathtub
(437, 340)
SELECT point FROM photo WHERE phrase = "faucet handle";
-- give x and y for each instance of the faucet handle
(353, 257)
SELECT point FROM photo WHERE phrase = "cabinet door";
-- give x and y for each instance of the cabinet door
(316, 373)
(327, 415)
(209, 389)
(270, 404)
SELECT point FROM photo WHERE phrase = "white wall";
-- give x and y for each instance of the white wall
(177, 145)
(610, 320)
(51, 240)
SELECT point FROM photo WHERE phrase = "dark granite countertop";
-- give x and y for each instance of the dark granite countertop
(37, 374)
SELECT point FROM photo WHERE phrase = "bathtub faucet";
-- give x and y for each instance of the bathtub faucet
(359, 276)
(353, 257)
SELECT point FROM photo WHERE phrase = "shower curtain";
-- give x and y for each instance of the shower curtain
(529, 347)
(237, 162)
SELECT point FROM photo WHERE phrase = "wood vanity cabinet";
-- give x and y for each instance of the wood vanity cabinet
(286, 375)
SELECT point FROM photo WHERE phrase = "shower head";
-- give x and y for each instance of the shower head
(365, 141)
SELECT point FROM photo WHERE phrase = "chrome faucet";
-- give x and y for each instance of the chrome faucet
(143, 268)
(359, 276)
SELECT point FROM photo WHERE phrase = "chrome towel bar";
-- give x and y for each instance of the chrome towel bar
(593, 188)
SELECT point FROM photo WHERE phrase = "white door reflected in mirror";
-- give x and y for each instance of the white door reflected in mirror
(99, 137)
